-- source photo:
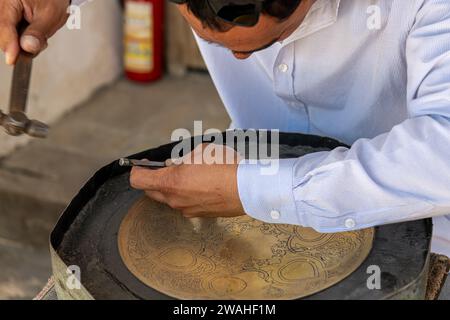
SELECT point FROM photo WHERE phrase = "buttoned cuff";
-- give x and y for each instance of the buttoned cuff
(265, 190)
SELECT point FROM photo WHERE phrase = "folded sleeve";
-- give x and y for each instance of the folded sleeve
(401, 175)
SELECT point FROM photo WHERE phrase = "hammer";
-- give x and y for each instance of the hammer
(16, 121)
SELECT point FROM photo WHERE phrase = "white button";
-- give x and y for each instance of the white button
(283, 67)
(350, 223)
(275, 214)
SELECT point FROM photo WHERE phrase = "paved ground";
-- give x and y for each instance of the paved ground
(25, 270)
(37, 181)
(445, 294)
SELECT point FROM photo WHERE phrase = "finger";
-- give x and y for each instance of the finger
(157, 196)
(10, 15)
(172, 202)
(149, 180)
(12, 50)
(44, 23)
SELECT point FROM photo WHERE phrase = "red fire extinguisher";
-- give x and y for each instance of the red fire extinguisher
(144, 39)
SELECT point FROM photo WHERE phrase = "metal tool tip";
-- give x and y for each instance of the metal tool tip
(124, 162)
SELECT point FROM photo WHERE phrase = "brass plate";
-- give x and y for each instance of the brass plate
(237, 258)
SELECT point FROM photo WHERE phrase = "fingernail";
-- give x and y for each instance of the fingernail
(30, 44)
(9, 58)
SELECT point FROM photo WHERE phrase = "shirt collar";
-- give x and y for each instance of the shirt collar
(322, 14)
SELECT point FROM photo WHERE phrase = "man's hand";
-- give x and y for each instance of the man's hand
(197, 190)
(44, 16)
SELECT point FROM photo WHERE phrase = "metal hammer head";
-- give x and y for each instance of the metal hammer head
(17, 123)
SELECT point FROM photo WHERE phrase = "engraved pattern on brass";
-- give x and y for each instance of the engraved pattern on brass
(234, 258)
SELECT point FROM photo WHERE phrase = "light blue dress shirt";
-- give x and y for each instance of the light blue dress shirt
(371, 73)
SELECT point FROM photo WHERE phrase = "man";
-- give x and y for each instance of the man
(371, 73)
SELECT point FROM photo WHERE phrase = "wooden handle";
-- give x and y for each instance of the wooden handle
(21, 77)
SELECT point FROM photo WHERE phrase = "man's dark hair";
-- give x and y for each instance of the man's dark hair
(280, 9)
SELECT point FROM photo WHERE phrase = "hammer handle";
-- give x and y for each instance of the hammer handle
(21, 83)
(21, 77)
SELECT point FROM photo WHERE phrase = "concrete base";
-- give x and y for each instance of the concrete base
(445, 293)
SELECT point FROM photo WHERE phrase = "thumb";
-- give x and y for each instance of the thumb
(41, 27)
(34, 38)
(32, 44)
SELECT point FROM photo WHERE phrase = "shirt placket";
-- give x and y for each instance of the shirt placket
(284, 77)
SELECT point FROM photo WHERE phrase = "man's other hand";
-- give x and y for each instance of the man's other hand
(45, 17)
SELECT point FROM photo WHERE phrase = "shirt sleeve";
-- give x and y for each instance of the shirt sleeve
(398, 176)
